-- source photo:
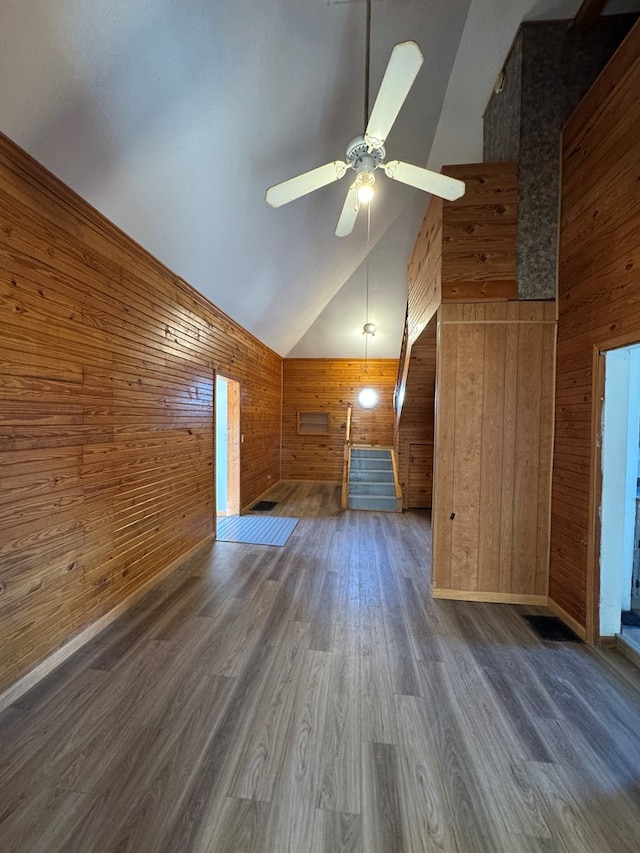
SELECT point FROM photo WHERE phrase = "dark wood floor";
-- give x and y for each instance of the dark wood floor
(314, 698)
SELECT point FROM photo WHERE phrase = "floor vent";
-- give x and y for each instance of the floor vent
(552, 628)
(264, 506)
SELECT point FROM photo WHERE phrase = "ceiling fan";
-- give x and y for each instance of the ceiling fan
(365, 154)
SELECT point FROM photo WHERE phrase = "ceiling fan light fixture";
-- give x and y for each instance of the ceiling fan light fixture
(364, 186)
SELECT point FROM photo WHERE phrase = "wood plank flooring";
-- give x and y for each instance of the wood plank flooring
(314, 698)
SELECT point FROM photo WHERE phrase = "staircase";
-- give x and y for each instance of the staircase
(372, 480)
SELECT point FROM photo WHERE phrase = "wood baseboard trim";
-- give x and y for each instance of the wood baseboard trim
(489, 597)
(26, 682)
(626, 649)
(572, 623)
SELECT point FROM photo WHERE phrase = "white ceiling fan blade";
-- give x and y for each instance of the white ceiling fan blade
(424, 179)
(306, 183)
(349, 213)
(404, 64)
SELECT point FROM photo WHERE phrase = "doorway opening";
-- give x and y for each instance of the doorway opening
(227, 406)
(620, 506)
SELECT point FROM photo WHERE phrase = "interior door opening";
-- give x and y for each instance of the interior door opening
(620, 506)
(227, 406)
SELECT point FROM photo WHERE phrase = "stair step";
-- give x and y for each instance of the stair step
(373, 502)
(371, 480)
(367, 487)
(371, 464)
(366, 475)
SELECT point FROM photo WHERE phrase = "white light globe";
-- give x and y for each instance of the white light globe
(368, 398)
(365, 194)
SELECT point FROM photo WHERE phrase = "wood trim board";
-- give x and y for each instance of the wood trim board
(488, 596)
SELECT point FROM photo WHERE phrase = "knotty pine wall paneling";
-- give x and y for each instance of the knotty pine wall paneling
(466, 249)
(479, 234)
(598, 309)
(107, 364)
(465, 252)
(414, 438)
(424, 273)
(327, 385)
(494, 427)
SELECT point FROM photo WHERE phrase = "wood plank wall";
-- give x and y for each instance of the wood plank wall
(327, 385)
(494, 426)
(424, 273)
(466, 249)
(598, 301)
(479, 234)
(414, 438)
(106, 421)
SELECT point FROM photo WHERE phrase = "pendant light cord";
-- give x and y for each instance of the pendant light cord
(367, 68)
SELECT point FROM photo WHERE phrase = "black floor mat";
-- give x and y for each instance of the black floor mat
(631, 619)
(264, 506)
(552, 628)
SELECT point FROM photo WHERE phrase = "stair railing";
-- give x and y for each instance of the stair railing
(403, 370)
(396, 479)
(344, 497)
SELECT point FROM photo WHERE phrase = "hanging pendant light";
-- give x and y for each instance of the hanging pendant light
(368, 398)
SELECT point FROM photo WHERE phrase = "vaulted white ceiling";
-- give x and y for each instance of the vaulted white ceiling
(172, 117)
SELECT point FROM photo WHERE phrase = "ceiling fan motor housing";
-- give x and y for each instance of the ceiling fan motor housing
(361, 157)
